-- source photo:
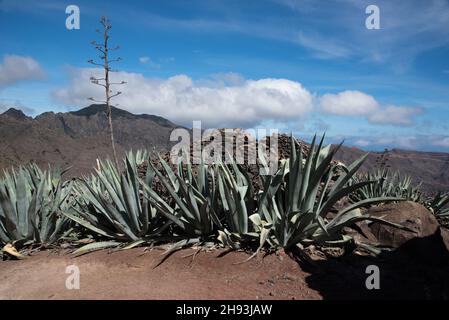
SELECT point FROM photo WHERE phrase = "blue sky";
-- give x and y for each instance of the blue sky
(303, 66)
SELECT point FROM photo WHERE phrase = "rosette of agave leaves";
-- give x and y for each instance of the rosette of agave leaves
(31, 206)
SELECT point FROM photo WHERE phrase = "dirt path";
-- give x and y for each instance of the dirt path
(129, 275)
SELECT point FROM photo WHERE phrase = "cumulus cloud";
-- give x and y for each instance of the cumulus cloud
(356, 103)
(229, 100)
(395, 115)
(19, 68)
(243, 103)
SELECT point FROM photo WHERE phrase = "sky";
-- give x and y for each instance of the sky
(300, 66)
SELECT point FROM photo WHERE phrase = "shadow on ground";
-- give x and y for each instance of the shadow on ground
(419, 269)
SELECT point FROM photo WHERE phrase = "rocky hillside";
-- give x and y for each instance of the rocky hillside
(430, 168)
(76, 138)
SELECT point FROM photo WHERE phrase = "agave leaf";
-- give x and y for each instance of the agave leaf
(89, 226)
(95, 247)
(176, 247)
(134, 244)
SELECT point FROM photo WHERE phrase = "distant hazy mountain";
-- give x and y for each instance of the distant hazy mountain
(78, 138)
(430, 168)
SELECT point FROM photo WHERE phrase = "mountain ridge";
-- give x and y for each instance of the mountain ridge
(78, 138)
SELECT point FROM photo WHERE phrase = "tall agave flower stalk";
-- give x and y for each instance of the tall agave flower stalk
(31, 203)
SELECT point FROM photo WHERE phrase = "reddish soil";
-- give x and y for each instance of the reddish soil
(130, 275)
(212, 275)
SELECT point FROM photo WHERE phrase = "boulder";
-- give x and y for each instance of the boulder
(408, 214)
(426, 242)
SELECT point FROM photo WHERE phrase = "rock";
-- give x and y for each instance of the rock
(362, 233)
(426, 243)
(408, 214)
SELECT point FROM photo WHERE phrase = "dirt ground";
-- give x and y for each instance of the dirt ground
(130, 275)
(211, 275)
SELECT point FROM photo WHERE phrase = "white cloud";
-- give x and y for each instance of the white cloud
(323, 47)
(149, 62)
(144, 60)
(356, 103)
(229, 100)
(19, 68)
(243, 104)
(443, 142)
(408, 142)
(362, 143)
(353, 103)
(395, 115)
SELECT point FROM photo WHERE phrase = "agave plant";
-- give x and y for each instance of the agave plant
(439, 206)
(190, 203)
(237, 204)
(31, 202)
(194, 199)
(112, 204)
(295, 205)
(139, 157)
(385, 184)
(237, 197)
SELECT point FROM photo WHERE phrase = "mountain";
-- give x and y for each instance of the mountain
(15, 114)
(429, 168)
(77, 138)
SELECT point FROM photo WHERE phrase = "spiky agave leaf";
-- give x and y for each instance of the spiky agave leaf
(31, 201)
(237, 197)
(386, 184)
(113, 204)
(192, 209)
(439, 206)
(297, 200)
